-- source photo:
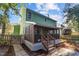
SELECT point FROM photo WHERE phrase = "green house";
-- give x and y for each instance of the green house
(36, 28)
(16, 30)
(39, 19)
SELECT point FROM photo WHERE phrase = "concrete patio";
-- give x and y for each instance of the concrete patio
(19, 51)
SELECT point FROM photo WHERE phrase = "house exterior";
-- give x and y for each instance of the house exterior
(39, 19)
(33, 25)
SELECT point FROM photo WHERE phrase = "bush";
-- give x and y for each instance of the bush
(4, 42)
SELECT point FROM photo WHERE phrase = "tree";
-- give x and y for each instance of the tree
(4, 17)
(72, 14)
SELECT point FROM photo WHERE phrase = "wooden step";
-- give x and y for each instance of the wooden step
(51, 48)
(44, 42)
(51, 45)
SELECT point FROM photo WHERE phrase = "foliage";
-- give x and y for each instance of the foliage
(4, 42)
(72, 14)
(4, 16)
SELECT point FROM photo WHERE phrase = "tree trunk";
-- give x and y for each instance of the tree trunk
(3, 29)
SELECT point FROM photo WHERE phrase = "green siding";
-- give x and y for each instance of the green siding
(16, 30)
(39, 19)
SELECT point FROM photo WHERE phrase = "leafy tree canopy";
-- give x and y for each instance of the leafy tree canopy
(72, 14)
(5, 9)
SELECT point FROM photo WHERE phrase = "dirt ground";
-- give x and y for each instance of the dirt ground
(10, 52)
(66, 49)
(34, 53)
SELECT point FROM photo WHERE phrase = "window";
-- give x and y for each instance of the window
(58, 32)
(45, 19)
(29, 15)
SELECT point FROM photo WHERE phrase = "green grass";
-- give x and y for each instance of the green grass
(75, 37)
(16, 30)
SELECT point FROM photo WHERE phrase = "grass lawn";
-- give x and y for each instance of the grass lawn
(75, 37)
(16, 30)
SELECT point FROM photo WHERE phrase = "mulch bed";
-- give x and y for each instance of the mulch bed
(10, 52)
(34, 53)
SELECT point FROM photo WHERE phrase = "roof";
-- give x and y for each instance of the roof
(48, 27)
(35, 24)
(41, 15)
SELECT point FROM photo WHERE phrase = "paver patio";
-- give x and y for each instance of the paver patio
(19, 51)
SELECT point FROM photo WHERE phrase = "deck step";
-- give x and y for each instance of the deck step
(51, 45)
(51, 48)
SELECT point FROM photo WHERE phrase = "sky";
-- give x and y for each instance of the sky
(55, 11)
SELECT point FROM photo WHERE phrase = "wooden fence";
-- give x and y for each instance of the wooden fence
(11, 39)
